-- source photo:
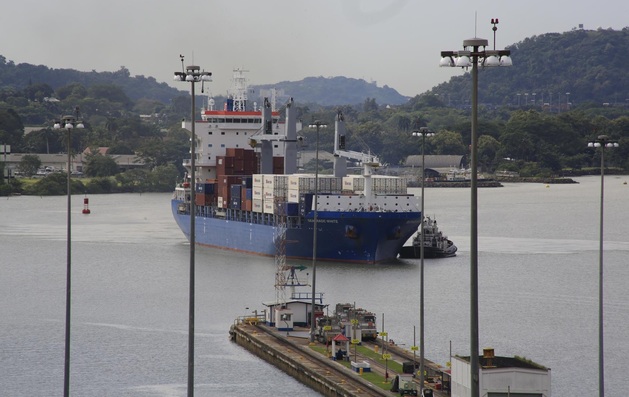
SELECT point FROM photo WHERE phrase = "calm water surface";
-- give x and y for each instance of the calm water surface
(538, 276)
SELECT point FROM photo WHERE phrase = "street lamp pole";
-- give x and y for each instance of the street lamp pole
(464, 59)
(316, 124)
(193, 75)
(603, 142)
(68, 122)
(474, 338)
(423, 132)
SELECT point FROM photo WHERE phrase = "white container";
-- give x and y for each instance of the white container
(256, 205)
(268, 207)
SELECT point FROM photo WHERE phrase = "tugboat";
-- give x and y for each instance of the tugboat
(436, 245)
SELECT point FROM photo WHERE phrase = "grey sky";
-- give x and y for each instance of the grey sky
(390, 42)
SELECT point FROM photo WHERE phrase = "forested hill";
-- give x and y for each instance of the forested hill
(330, 91)
(20, 76)
(590, 65)
(319, 90)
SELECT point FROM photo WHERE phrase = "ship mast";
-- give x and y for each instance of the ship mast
(239, 90)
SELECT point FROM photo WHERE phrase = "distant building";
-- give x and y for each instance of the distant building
(436, 165)
(59, 161)
(125, 161)
(305, 156)
(501, 377)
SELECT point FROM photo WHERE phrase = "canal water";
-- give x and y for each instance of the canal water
(538, 293)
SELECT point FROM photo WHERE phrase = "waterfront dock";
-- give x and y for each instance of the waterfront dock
(360, 372)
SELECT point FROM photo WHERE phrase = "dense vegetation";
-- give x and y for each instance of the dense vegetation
(533, 133)
(589, 65)
(331, 91)
(532, 141)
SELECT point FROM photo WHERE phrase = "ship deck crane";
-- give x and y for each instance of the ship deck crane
(368, 161)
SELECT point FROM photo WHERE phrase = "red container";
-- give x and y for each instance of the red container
(220, 165)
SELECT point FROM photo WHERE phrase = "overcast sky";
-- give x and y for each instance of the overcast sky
(389, 42)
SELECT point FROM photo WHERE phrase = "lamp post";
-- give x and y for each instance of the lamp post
(423, 132)
(69, 123)
(193, 75)
(603, 142)
(474, 53)
(318, 125)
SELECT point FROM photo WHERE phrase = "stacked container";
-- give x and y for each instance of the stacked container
(380, 184)
(205, 193)
(234, 183)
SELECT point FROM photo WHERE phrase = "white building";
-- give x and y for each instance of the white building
(299, 310)
(501, 377)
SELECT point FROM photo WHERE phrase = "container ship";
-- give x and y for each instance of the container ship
(249, 197)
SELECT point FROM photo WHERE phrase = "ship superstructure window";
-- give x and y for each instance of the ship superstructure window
(209, 145)
(222, 132)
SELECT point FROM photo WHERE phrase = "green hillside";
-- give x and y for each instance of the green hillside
(20, 76)
(330, 91)
(590, 65)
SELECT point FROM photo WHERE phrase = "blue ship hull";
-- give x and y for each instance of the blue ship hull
(359, 237)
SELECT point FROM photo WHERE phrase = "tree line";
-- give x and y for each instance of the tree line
(533, 141)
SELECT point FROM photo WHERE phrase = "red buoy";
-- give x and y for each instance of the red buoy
(86, 205)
